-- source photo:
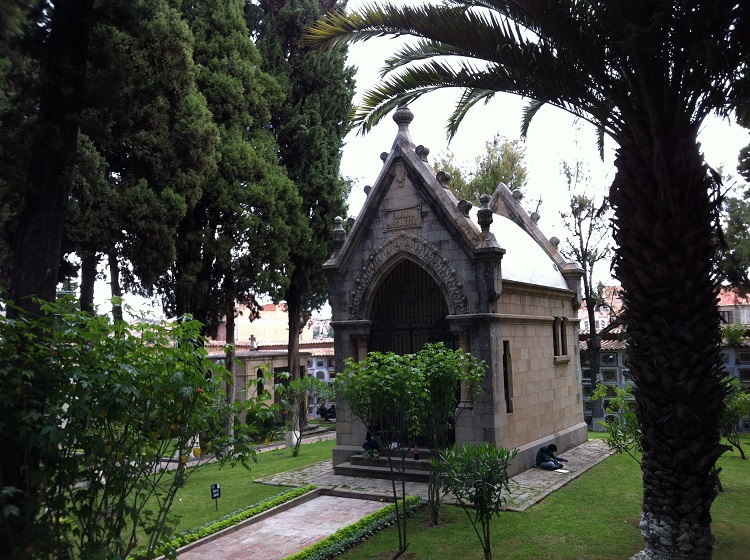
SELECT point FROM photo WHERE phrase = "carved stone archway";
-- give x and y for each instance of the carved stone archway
(408, 311)
(422, 252)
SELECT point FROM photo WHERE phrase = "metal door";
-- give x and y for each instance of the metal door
(409, 311)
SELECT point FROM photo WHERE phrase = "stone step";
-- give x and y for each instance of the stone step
(382, 472)
(315, 430)
(423, 464)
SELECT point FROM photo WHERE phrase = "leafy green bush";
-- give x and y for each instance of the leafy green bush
(477, 475)
(734, 334)
(116, 398)
(348, 536)
(299, 390)
(737, 407)
(623, 428)
(409, 399)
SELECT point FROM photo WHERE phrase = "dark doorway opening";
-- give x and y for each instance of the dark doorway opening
(408, 312)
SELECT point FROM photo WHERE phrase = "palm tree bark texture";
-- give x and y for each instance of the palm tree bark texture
(663, 216)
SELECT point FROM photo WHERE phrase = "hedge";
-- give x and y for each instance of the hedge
(348, 536)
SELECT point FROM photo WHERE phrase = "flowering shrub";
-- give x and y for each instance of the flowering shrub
(98, 404)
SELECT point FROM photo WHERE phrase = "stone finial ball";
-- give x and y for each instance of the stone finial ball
(403, 116)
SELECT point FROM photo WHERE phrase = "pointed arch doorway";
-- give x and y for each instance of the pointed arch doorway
(408, 311)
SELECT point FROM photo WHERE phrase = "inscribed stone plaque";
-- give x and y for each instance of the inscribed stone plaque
(402, 218)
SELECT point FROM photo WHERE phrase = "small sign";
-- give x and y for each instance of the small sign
(216, 494)
(402, 218)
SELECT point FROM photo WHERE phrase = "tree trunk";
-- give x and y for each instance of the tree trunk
(38, 242)
(663, 230)
(293, 303)
(594, 344)
(232, 379)
(594, 347)
(89, 263)
(293, 307)
(115, 287)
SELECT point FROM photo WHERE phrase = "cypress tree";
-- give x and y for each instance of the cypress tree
(310, 126)
(234, 243)
(148, 142)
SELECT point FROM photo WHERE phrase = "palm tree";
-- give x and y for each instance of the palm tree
(646, 73)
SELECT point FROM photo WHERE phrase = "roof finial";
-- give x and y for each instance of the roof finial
(403, 117)
(484, 214)
(339, 234)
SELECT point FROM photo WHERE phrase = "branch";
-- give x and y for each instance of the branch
(609, 328)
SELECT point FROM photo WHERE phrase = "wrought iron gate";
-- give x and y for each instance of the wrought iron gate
(409, 311)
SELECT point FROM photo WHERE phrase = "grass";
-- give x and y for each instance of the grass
(595, 517)
(195, 507)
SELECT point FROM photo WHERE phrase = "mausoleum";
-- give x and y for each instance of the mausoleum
(417, 265)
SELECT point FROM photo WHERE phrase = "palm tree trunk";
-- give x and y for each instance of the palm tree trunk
(664, 234)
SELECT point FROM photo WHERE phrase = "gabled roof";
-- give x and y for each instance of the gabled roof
(528, 258)
(729, 296)
(607, 345)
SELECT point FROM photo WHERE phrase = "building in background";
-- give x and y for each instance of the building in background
(261, 350)
(614, 371)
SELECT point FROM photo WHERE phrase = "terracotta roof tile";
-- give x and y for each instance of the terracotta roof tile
(607, 345)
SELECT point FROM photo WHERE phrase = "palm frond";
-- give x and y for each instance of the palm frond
(609, 62)
(468, 99)
(529, 112)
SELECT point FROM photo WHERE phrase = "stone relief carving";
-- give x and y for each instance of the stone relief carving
(400, 172)
(425, 252)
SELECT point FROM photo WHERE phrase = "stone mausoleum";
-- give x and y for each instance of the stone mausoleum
(417, 265)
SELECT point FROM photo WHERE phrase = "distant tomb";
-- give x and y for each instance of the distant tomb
(419, 266)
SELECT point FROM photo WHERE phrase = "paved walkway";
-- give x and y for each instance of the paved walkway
(287, 532)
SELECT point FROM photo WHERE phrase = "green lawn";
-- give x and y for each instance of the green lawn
(595, 517)
(195, 507)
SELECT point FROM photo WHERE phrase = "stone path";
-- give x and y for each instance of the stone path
(285, 533)
(527, 488)
(531, 486)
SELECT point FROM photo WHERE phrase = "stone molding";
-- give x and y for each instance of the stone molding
(426, 253)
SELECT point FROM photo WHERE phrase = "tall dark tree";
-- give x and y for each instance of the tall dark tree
(149, 142)
(310, 126)
(646, 73)
(234, 243)
(51, 135)
(21, 52)
(57, 39)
